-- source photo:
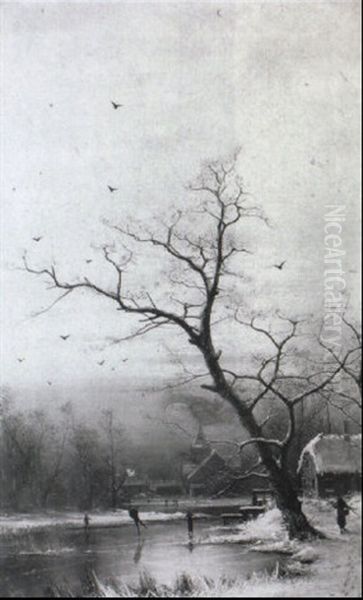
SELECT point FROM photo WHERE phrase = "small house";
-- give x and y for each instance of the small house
(168, 488)
(209, 476)
(331, 465)
(206, 472)
(134, 486)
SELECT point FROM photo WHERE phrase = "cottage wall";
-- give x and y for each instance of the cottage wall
(331, 464)
(331, 484)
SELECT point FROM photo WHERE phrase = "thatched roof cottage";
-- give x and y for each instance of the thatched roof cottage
(331, 464)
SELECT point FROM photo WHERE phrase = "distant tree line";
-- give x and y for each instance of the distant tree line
(60, 461)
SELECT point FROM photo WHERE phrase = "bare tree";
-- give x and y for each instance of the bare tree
(18, 445)
(203, 255)
(32, 454)
(57, 441)
(89, 469)
(114, 455)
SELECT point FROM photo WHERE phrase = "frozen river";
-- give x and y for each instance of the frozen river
(31, 561)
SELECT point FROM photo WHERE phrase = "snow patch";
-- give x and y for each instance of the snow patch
(48, 552)
(306, 555)
(285, 546)
(268, 526)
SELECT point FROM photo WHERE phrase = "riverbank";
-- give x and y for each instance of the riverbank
(321, 568)
(68, 558)
(18, 524)
(255, 559)
(154, 510)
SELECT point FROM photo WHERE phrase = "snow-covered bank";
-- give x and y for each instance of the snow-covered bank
(21, 523)
(267, 527)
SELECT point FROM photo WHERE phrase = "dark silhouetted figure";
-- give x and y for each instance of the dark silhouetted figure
(342, 511)
(190, 523)
(86, 521)
(134, 514)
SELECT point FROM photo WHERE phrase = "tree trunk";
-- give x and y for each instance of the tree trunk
(287, 499)
(44, 501)
(113, 496)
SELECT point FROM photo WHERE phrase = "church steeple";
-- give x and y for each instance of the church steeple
(200, 447)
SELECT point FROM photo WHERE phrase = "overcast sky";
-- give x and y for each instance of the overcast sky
(279, 79)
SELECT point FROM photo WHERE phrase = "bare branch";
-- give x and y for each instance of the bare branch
(48, 308)
(261, 440)
(116, 296)
(168, 246)
(323, 384)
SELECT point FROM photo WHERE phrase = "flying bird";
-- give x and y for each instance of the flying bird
(37, 239)
(112, 189)
(49, 382)
(89, 260)
(116, 105)
(125, 359)
(219, 13)
(280, 266)
(21, 360)
(65, 337)
(102, 362)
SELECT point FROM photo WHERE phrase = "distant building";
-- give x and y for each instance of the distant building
(331, 464)
(144, 486)
(168, 488)
(205, 472)
(135, 486)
